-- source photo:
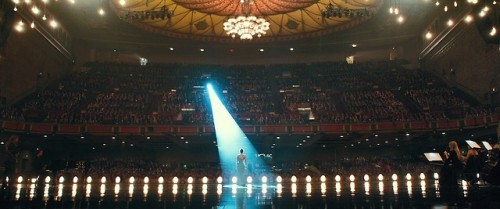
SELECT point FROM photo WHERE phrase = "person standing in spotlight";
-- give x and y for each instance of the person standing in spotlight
(241, 164)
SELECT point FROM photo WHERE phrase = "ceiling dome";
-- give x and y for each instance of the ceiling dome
(235, 7)
(204, 19)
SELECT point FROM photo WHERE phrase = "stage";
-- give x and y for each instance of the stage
(330, 194)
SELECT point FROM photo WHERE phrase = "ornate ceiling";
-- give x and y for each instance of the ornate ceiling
(203, 19)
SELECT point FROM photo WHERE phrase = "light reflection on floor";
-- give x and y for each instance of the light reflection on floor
(341, 194)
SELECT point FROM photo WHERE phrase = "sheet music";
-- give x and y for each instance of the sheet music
(473, 144)
(433, 156)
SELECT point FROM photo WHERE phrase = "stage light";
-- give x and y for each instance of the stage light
(422, 176)
(204, 180)
(190, 180)
(103, 180)
(234, 180)
(293, 179)
(47, 179)
(175, 180)
(352, 178)
(322, 178)
(161, 180)
(366, 177)
(337, 178)
(408, 176)
(394, 177)
(249, 180)
(89, 179)
(19, 179)
(380, 177)
(308, 179)
(436, 176)
(219, 180)
(75, 179)
(146, 180)
(264, 179)
(279, 179)
(61, 179)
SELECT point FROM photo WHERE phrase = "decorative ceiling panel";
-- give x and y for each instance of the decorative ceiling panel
(203, 19)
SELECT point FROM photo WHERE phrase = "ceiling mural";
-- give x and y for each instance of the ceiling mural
(204, 19)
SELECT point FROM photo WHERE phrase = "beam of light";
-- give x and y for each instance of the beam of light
(230, 138)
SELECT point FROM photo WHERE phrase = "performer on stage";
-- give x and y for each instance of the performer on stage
(452, 170)
(241, 164)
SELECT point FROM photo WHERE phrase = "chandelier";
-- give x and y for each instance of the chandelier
(246, 27)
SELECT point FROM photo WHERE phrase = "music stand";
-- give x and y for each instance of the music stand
(434, 158)
(473, 144)
(487, 145)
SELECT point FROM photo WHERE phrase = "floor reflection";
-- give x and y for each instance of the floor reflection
(365, 193)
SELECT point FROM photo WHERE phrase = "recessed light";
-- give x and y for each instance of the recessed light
(101, 11)
(468, 18)
(428, 35)
(261, 50)
(354, 45)
(171, 49)
(291, 49)
(401, 19)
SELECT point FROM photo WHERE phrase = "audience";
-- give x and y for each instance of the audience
(330, 92)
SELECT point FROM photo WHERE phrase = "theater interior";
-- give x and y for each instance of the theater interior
(337, 103)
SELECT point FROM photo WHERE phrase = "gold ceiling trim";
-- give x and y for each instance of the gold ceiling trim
(203, 19)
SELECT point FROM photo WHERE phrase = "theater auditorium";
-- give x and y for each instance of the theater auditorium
(249, 104)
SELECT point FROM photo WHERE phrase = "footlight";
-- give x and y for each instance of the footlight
(264, 179)
(279, 179)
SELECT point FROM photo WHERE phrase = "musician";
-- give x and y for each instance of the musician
(453, 166)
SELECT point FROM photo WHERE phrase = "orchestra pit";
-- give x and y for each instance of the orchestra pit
(249, 104)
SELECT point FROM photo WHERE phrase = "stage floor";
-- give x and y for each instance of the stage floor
(373, 194)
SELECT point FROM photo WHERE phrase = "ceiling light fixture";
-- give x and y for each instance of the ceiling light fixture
(246, 26)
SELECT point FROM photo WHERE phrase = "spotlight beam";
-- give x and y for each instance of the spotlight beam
(230, 138)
